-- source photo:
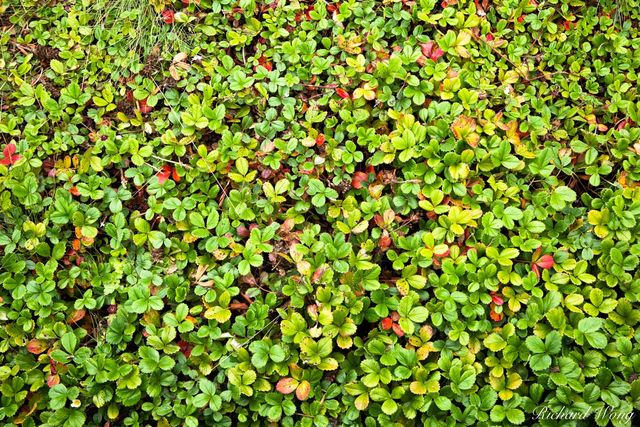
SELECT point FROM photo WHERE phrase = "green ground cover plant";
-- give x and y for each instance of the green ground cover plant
(319, 213)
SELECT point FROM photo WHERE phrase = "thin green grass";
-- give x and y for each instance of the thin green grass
(138, 29)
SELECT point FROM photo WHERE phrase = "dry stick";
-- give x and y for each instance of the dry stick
(331, 86)
(173, 161)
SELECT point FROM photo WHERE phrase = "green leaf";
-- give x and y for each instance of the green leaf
(57, 66)
(553, 342)
(597, 339)
(515, 416)
(535, 344)
(69, 342)
(590, 324)
(277, 353)
(540, 362)
(561, 196)
(419, 314)
(57, 396)
(467, 379)
(495, 342)
(389, 407)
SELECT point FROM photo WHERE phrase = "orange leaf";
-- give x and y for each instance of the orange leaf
(496, 317)
(287, 385)
(53, 380)
(302, 392)
(36, 346)
(358, 179)
(76, 316)
(385, 241)
(387, 323)
(174, 175)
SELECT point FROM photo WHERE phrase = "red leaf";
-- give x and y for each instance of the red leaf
(74, 191)
(164, 174)
(371, 169)
(358, 179)
(287, 385)
(342, 93)
(185, 348)
(265, 63)
(427, 48)
(387, 323)
(167, 16)
(36, 346)
(9, 156)
(398, 330)
(623, 124)
(496, 299)
(320, 140)
(431, 50)
(437, 54)
(545, 261)
(243, 231)
(143, 107)
(442, 254)
(302, 392)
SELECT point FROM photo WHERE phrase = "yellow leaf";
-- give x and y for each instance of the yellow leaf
(464, 37)
(418, 388)
(362, 402)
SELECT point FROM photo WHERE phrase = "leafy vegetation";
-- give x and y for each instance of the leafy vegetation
(315, 213)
